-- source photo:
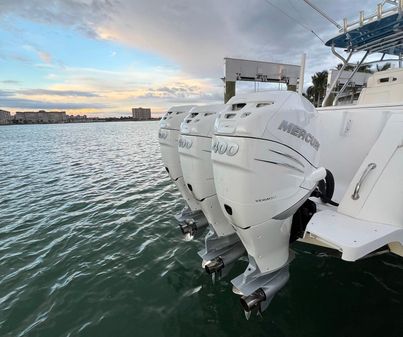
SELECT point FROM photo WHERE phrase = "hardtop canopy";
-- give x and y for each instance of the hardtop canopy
(384, 35)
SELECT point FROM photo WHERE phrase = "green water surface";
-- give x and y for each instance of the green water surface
(89, 247)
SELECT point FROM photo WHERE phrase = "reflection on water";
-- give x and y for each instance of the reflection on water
(89, 247)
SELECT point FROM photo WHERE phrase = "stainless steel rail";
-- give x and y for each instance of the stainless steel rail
(395, 6)
(349, 79)
(356, 194)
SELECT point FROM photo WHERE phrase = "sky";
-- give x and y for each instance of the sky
(103, 57)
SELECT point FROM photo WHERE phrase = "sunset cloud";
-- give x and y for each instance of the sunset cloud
(115, 54)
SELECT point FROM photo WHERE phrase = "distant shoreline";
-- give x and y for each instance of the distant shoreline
(90, 120)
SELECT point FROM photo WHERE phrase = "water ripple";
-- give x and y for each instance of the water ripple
(89, 247)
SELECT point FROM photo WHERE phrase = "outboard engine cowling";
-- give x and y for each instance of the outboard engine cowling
(265, 161)
(222, 245)
(191, 218)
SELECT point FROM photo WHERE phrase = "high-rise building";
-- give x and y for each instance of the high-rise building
(5, 117)
(141, 114)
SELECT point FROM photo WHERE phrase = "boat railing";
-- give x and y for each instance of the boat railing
(384, 39)
(386, 8)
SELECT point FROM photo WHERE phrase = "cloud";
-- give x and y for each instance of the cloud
(45, 56)
(182, 93)
(194, 36)
(82, 15)
(47, 92)
(51, 76)
(22, 103)
(198, 35)
(6, 93)
(12, 82)
(113, 96)
(15, 57)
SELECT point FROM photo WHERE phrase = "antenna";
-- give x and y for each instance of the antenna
(327, 17)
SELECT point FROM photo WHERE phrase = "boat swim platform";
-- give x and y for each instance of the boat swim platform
(354, 238)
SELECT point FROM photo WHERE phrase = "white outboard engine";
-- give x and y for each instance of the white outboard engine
(265, 161)
(192, 219)
(222, 244)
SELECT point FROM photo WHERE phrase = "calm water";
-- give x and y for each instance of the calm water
(89, 247)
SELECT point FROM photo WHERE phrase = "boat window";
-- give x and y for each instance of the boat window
(208, 114)
(384, 80)
(238, 106)
(394, 79)
(193, 114)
